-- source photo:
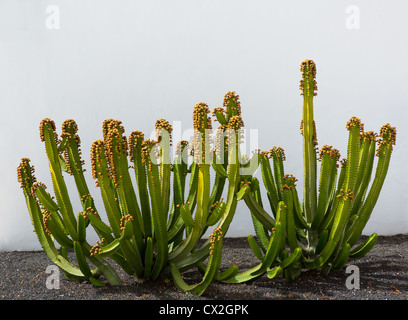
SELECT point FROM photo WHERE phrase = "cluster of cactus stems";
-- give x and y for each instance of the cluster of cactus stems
(154, 227)
(322, 232)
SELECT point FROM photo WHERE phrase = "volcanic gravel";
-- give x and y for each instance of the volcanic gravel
(383, 276)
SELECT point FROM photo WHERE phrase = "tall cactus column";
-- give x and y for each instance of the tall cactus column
(308, 129)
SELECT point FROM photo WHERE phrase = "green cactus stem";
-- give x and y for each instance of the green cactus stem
(49, 137)
(387, 140)
(101, 173)
(211, 270)
(26, 178)
(308, 87)
(327, 183)
(135, 145)
(50, 226)
(163, 134)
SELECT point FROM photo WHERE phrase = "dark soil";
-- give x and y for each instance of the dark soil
(383, 276)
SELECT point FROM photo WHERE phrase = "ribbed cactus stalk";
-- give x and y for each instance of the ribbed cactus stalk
(308, 87)
(336, 203)
(211, 270)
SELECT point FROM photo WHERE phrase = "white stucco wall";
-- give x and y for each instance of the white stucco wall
(138, 61)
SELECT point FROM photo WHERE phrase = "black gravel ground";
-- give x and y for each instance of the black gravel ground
(383, 276)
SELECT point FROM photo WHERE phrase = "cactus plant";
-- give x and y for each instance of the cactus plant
(151, 232)
(327, 225)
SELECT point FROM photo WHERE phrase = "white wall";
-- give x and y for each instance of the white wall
(138, 61)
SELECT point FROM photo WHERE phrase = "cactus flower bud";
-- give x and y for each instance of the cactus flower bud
(308, 84)
(232, 104)
(200, 119)
(388, 136)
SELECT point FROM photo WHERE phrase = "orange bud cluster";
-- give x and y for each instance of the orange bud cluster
(278, 151)
(215, 236)
(388, 133)
(180, 147)
(69, 125)
(46, 217)
(353, 122)
(34, 187)
(332, 152)
(290, 179)
(147, 146)
(69, 130)
(25, 173)
(125, 219)
(96, 249)
(368, 136)
(201, 124)
(235, 123)
(246, 185)
(134, 138)
(216, 110)
(308, 69)
(286, 187)
(231, 100)
(90, 210)
(388, 136)
(214, 206)
(349, 195)
(163, 125)
(109, 124)
(200, 119)
(115, 147)
(96, 149)
(43, 124)
(233, 130)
